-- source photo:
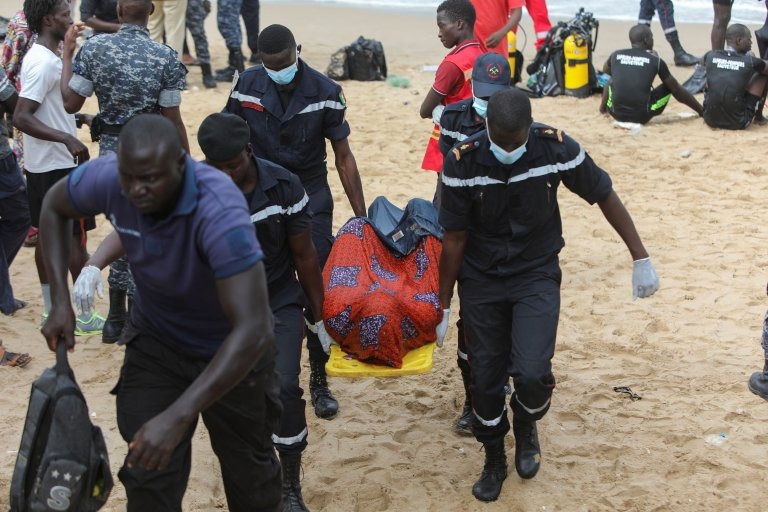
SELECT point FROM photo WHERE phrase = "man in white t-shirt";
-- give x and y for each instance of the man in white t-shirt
(51, 147)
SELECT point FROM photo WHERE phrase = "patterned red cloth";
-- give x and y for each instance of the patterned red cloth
(379, 306)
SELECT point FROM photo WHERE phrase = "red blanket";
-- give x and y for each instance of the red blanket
(379, 306)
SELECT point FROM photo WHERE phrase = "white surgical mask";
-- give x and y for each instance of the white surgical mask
(506, 157)
(480, 106)
(285, 75)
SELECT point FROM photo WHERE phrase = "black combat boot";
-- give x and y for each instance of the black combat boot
(325, 405)
(682, 57)
(292, 500)
(208, 81)
(113, 327)
(464, 423)
(236, 63)
(488, 487)
(758, 382)
(527, 450)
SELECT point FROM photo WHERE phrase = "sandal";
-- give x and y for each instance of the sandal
(13, 358)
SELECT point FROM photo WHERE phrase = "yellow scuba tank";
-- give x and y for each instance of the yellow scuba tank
(576, 69)
(511, 47)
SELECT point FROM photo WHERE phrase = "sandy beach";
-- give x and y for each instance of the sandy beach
(695, 441)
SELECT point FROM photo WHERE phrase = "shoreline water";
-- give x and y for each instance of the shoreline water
(686, 11)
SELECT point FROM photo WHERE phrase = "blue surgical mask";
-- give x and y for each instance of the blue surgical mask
(480, 106)
(506, 157)
(285, 75)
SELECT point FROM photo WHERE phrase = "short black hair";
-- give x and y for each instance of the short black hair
(638, 33)
(275, 38)
(149, 130)
(509, 110)
(735, 31)
(36, 10)
(459, 10)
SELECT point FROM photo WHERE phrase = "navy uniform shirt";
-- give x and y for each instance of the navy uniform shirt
(279, 209)
(130, 75)
(511, 211)
(293, 137)
(457, 123)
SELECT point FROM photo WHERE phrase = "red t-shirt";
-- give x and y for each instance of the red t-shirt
(491, 16)
(449, 79)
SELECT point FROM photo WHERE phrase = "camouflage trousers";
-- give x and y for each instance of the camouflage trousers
(120, 277)
(196, 25)
(228, 22)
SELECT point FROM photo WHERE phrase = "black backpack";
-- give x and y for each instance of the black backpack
(62, 464)
(362, 60)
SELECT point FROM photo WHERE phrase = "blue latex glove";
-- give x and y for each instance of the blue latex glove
(645, 281)
(442, 328)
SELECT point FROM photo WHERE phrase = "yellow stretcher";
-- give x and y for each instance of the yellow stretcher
(415, 362)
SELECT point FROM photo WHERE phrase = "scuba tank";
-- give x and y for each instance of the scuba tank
(576, 50)
(511, 50)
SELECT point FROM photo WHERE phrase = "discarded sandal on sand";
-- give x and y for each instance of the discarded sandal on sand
(13, 358)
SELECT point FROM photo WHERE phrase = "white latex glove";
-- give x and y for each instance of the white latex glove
(88, 284)
(437, 113)
(645, 281)
(325, 338)
(442, 327)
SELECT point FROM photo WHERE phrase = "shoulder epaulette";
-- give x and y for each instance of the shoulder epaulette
(464, 148)
(547, 132)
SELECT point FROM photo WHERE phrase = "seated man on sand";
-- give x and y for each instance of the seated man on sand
(630, 96)
(736, 81)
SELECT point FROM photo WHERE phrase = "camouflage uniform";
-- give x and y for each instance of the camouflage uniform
(196, 15)
(228, 22)
(130, 75)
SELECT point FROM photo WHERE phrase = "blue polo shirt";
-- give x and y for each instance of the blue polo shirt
(177, 260)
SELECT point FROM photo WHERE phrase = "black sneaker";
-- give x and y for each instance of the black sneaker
(758, 384)
(527, 450)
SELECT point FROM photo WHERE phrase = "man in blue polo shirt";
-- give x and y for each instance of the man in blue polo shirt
(291, 110)
(200, 338)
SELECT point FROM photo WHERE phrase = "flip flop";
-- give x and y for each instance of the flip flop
(13, 358)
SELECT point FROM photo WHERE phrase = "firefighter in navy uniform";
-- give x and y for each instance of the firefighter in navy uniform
(630, 95)
(459, 120)
(280, 213)
(502, 237)
(291, 110)
(736, 80)
(490, 73)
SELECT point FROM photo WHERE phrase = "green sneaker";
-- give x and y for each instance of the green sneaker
(89, 326)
